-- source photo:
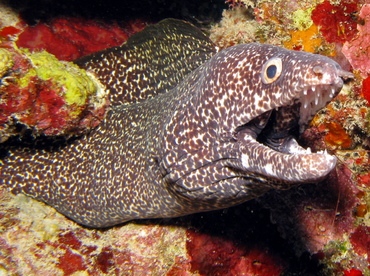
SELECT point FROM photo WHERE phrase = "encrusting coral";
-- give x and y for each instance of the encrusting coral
(236, 27)
(47, 96)
(71, 38)
(356, 50)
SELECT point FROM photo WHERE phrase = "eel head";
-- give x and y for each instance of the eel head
(248, 106)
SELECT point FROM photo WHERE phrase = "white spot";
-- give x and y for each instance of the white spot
(245, 161)
(269, 170)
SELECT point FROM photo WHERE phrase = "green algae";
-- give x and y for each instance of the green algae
(77, 85)
(302, 19)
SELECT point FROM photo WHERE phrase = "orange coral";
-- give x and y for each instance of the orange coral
(364, 179)
(333, 126)
(361, 210)
(306, 40)
(337, 137)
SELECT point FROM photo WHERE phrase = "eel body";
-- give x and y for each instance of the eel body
(209, 130)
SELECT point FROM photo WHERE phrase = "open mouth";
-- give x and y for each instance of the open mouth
(270, 140)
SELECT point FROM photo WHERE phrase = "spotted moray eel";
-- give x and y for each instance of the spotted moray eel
(190, 130)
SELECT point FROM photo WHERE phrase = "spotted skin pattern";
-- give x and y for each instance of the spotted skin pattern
(151, 62)
(191, 149)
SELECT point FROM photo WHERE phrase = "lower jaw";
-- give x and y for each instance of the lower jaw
(297, 165)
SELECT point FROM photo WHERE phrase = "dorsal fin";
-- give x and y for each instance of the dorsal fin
(150, 62)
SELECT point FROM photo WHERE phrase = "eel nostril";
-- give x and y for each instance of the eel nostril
(318, 70)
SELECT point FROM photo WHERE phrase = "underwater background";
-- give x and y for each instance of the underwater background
(313, 229)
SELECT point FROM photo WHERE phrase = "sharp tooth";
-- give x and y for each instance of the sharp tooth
(305, 104)
(313, 89)
(323, 152)
(305, 92)
(332, 92)
(316, 100)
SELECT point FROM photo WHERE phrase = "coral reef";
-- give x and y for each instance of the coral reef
(42, 94)
(309, 44)
(208, 253)
(35, 240)
(343, 123)
(356, 50)
(71, 38)
(8, 16)
(236, 27)
(337, 21)
(318, 229)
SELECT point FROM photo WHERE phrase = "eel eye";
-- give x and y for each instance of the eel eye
(271, 70)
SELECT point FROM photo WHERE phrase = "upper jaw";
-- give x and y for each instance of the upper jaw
(315, 97)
